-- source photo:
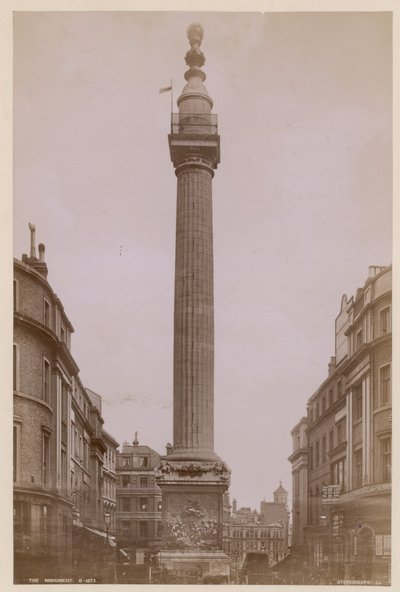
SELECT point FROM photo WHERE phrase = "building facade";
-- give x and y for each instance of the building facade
(110, 480)
(58, 447)
(139, 505)
(249, 533)
(277, 511)
(342, 450)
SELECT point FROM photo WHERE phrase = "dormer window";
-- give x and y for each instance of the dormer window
(62, 333)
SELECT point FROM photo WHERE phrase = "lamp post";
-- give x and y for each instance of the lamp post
(325, 544)
(107, 524)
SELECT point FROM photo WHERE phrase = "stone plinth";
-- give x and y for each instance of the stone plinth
(192, 518)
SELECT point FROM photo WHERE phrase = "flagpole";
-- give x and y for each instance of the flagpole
(172, 97)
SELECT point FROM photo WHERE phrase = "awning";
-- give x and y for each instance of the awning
(102, 534)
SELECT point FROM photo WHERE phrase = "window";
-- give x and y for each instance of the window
(46, 313)
(126, 461)
(144, 461)
(159, 505)
(357, 469)
(317, 411)
(317, 454)
(125, 527)
(323, 459)
(22, 522)
(358, 342)
(323, 405)
(159, 529)
(64, 405)
(386, 459)
(311, 458)
(85, 454)
(15, 367)
(63, 470)
(143, 481)
(46, 381)
(331, 440)
(385, 387)
(340, 432)
(16, 453)
(15, 295)
(125, 481)
(355, 545)
(126, 504)
(339, 388)
(46, 460)
(62, 333)
(383, 544)
(330, 397)
(338, 473)
(357, 402)
(337, 523)
(143, 528)
(384, 320)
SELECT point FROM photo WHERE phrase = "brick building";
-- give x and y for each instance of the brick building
(58, 446)
(277, 511)
(139, 506)
(249, 533)
(342, 451)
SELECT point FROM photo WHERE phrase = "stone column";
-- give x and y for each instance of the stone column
(194, 315)
(191, 476)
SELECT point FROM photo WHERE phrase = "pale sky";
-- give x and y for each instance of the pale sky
(302, 206)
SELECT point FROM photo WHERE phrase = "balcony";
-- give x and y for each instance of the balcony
(194, 135)
(194, 124)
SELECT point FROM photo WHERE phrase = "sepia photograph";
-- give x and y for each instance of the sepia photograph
(202, 297)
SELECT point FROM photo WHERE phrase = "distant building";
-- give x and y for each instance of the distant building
(249, 533)
(299, 460)
(58, 445)
(277, 511)
(342, 451)
(139, 505)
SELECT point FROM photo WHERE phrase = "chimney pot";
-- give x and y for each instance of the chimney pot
(41, 252)
(33, 247)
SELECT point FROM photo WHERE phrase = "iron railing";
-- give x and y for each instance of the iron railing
(194, 124)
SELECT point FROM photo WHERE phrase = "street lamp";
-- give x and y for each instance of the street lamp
(107, 523)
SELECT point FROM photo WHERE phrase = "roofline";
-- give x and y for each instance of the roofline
(28, 269)
(110, 437)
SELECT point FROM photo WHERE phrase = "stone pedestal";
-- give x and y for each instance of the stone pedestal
(193, 520)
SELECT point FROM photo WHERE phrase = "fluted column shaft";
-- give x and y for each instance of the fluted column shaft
(194, 310)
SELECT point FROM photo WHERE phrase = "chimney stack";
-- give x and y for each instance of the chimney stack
(33, 247)
(41, 252)
(332, 366)
(38, 264)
